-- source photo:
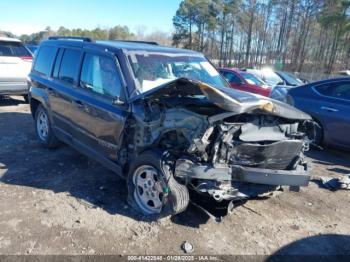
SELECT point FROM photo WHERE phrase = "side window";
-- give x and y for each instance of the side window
(99, 74)
(337, 90)
(69, 66)
(232, 78)
(225, 75)
(44, 59)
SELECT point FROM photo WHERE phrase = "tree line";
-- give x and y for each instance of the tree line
(293, 35)
(118, 32)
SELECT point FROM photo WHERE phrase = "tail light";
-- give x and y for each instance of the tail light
(26, 58)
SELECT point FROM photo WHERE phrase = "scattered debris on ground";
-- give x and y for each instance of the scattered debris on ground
(187, 247)
(335, 183)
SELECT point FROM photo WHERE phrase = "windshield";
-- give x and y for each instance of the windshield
(253, 78)
(290, 79)
(154, 69)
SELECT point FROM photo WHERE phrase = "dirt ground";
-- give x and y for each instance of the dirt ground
(60, 202)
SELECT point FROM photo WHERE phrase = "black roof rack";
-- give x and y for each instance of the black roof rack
(84, 39)
(140, 42)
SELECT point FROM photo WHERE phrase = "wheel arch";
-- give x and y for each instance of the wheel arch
(37, 96)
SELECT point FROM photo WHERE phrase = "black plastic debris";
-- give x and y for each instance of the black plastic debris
(213, 209)
(336, 183)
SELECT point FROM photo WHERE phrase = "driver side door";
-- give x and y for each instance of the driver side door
(101, 110)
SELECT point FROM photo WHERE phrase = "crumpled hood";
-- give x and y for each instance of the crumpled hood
(227, 99)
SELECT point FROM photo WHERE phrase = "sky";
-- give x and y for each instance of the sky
(28, 16)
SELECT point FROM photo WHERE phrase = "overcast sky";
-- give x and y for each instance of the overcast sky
(28, 16)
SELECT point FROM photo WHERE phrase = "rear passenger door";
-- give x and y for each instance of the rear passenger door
(62, 92)
(100, 110)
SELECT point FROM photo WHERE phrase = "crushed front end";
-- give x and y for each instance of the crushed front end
(254, 149)
(224, 143)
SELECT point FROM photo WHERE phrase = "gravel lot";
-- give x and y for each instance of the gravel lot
(60, 202)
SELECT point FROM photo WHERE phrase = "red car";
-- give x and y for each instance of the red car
(245, 81)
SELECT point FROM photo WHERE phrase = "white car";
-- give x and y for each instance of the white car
(15, 65)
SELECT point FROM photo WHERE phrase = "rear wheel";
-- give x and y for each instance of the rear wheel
(43, 128)
(152, 189)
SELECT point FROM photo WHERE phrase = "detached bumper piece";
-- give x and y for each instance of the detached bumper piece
(187, 170)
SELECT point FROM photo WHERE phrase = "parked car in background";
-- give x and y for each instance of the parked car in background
(289, 78)
(302, 78)
(245, 81)
(328, 102)
(15, 65)
(279, 93)
(32, 48)
(267, 75)
(164, 119)
(278, 85)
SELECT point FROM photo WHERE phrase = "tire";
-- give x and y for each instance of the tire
(43, 128)
(170, 197)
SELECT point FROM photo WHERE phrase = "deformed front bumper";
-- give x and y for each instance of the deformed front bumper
(187, 171)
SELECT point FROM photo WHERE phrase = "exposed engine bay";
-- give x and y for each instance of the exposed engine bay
(222, 141)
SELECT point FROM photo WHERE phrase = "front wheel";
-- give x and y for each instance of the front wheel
(43, 128)
(152, 189)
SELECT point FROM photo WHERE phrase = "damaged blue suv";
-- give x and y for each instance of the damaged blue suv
(164, 119)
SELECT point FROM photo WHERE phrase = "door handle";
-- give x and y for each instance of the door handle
(329, 109)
